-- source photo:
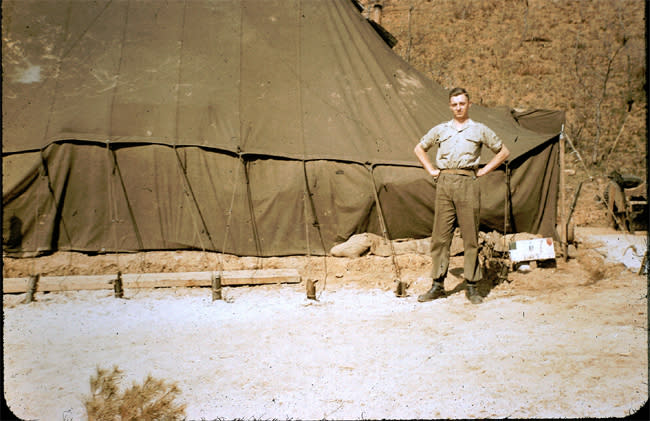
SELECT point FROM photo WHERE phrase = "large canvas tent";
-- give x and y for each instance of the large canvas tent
(251, 127)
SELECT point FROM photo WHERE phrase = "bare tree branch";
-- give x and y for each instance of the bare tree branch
(599, 104)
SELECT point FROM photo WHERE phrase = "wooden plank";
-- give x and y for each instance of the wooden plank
(153, 280)
(60, 283)
(259, 276)
(158, 280)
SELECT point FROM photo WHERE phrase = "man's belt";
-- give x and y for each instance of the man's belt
(458, 171)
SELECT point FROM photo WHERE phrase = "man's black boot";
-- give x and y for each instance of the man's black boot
(436, 291)
(472, 293)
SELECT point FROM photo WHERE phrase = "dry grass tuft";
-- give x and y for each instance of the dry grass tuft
(152, 400)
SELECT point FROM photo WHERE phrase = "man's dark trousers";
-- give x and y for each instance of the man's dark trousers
(457, 199)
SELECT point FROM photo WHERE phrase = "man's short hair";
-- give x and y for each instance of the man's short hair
(458, 91)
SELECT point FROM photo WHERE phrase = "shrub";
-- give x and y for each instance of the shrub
(152, 400)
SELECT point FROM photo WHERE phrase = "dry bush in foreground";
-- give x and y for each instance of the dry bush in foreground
(153, 400)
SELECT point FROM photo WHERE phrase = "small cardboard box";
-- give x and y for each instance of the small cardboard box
(527, 250)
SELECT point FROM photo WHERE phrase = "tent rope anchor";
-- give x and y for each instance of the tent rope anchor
(401, 287)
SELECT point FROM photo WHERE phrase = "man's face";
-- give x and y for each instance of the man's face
(459, 106)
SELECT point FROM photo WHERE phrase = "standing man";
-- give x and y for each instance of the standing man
(457, 193)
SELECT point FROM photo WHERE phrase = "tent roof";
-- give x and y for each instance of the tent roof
(298, 79)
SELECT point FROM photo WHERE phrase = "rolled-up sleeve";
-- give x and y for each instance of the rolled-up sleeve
(429, 139)
(490, 139)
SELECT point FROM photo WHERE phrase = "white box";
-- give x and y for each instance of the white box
(537, 249)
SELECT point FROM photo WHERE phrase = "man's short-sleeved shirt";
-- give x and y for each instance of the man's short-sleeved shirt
(460, 148)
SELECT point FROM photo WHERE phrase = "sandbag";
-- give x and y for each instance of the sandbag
(356, 245)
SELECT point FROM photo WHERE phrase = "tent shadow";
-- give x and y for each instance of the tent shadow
(484, 286)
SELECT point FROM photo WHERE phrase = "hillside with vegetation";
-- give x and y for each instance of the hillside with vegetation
(587, 58)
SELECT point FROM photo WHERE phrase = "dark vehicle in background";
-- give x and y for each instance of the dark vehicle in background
(626, 198)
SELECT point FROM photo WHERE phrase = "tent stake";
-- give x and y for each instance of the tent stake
(31, 288)
(401, 289)
(311, 289)
(216, 287)
(401, 286)
(117, 286)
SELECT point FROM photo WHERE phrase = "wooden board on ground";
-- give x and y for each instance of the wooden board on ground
(153, 280)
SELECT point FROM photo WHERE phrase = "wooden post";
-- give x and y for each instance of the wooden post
(563, 221)
(507, 217)
(117, 286)
(375, 11)
(216, 287)
(311, 289)
(401, 289)
(503, 271)
(31, 288)
(644, 262)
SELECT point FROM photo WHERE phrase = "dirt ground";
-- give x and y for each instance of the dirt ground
(564, 341)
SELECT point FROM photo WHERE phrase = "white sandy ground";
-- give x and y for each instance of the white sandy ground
(617, 246)
(550, 343)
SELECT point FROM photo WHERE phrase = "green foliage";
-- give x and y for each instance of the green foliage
(152, 400)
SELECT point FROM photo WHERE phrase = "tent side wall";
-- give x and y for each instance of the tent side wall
(100, 198)
(89, 197)
(534, 186)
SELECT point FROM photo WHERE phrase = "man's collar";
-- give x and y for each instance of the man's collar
(466, 124)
